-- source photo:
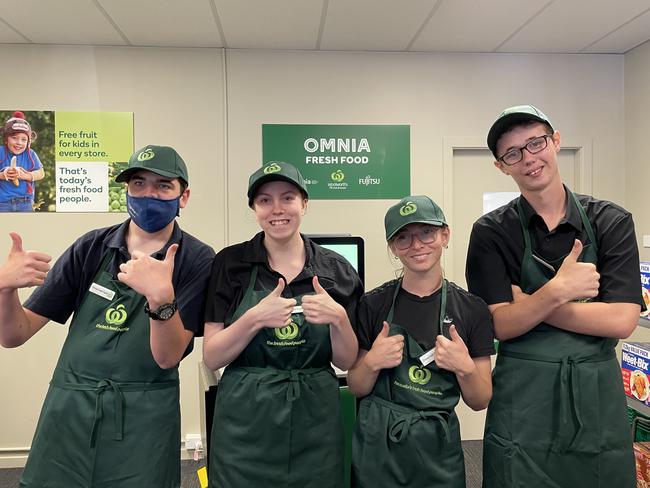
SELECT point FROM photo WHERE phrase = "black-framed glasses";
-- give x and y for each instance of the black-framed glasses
(533, 147)
(426, 235)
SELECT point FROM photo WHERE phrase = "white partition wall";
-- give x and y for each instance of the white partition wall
(210, 104)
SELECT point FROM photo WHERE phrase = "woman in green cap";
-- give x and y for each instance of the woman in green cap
(423, 342)
(277, 316)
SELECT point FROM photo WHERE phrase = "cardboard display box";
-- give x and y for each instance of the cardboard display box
(642, 458)
(635, 368)
(645, 287)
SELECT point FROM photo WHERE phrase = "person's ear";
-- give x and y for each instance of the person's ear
(185, 196)
(502, 167)
(556, 141)
(446, 236)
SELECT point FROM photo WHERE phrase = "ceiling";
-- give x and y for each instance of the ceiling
(484, 26)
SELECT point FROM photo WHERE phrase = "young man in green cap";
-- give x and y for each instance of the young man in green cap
(560, 274)
(111, 417)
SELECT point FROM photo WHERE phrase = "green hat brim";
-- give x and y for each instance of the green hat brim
(252, 190)
(126, 175)
(435, 223)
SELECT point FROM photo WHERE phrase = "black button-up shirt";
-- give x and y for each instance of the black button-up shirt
(73, 273)
(496, 248)
(231, 273)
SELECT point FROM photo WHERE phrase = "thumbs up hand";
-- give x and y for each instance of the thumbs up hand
(576, 280)
(386, 351)
(452, 355)
(273, 310)
(150, 277)
(23, 268)
(321, 308)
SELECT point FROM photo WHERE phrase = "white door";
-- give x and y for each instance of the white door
(469, 174)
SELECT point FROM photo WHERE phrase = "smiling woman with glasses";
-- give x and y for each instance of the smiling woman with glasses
(423, 342)
(514, 155)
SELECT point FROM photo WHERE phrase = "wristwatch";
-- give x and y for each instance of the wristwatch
(162, 313)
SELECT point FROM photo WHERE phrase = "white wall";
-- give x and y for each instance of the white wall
(178, 99)
(438, 95)
(637, 128)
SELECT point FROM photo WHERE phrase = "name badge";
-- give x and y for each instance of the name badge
(297, 309)
(102, 291)
(428, 357)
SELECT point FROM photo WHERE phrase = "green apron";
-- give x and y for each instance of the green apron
(558, 415)
(407, 433)
(111, 416)
(277, 419)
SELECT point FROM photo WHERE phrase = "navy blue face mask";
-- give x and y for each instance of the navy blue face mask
(152, 214)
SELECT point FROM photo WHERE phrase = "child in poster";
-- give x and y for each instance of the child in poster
(20, 166)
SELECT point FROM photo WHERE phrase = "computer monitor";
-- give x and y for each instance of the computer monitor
(350, 247)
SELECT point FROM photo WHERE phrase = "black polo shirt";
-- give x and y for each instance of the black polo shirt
(496, 248)
(231, 272)
(420, 316)
(73, 273)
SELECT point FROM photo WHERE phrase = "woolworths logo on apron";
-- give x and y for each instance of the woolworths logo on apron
(272, 168)
(116, 316)
(287, 332)
(408, 209)
(419, 375)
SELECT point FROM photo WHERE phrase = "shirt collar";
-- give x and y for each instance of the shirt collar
(255, 252)
(116, 239)
(572, 215)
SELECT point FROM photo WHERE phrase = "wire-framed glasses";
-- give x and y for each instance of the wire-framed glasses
(533, 147)
(425, 234)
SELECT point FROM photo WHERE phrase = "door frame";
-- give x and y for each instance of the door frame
(583, 170)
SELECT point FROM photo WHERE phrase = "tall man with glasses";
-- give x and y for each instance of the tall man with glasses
(560, 274)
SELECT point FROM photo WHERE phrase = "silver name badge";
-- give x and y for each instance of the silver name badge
(102, 291)
(428, 357)
(297, 309)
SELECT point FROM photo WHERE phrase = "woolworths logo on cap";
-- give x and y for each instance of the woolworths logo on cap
(116, 316)
(408, 209)
(419, 375)
(338, 175)
(146, 155)
(272, 168)
(287, 332)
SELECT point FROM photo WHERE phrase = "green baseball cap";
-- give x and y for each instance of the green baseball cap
(275, 171)
(415, 209)
(513, 116)
(162, 160)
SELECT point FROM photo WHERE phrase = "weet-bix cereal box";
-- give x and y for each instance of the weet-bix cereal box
(635, 366)
(645, 287)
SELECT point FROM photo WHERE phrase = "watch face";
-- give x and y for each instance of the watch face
(166, 312)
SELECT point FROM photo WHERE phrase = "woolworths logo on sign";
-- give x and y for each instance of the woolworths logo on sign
(344, 161)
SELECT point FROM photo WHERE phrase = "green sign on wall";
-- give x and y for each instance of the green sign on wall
(344, 161)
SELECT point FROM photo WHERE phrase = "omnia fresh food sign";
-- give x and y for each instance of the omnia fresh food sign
(344, 161)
